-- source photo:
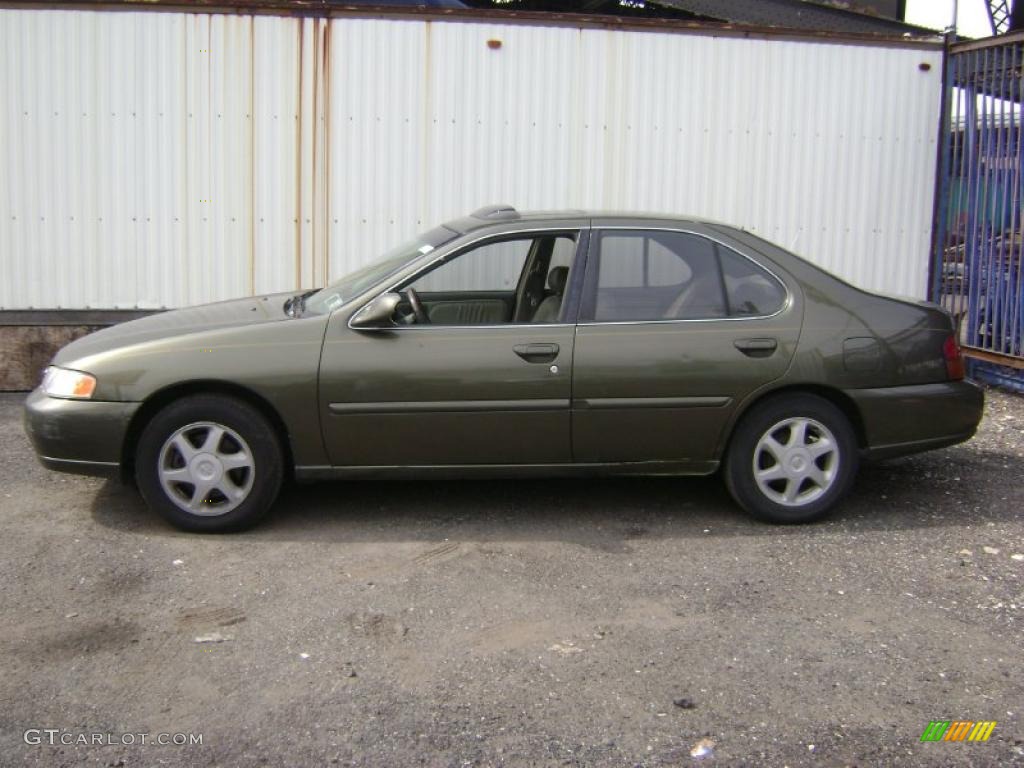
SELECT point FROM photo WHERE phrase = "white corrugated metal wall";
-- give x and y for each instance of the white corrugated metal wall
(161, 159)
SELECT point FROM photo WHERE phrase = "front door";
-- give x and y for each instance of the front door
(476, 381)
(675, 331)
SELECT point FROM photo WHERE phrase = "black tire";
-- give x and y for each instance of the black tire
(255, 486)
(782, 417)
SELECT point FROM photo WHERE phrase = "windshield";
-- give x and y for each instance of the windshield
(351, 285)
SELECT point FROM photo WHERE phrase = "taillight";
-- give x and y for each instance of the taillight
(954, 358)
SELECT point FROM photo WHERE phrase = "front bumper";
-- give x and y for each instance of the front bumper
(85, 437)
(903, 420)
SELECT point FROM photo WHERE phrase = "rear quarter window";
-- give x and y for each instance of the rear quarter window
(750, 290)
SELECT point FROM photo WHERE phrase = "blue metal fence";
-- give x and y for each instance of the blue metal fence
(980, 229)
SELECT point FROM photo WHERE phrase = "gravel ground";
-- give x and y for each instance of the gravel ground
(521, 623)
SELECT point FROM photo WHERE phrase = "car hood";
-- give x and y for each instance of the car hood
(178, 322)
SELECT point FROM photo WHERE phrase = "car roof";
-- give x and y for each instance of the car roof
(490, 215)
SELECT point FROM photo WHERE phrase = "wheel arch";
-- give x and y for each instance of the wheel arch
(164, 397)
(835, 396)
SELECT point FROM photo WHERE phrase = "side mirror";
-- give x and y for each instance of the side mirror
(378, 313)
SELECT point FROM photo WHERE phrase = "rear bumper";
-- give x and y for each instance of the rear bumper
(921, 417)
(84, 437)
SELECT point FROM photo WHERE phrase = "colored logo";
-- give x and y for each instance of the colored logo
(958, 730)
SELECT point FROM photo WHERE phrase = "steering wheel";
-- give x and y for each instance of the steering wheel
(417, 306)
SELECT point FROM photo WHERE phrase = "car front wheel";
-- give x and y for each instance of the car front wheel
(791, 459)
(209, 463)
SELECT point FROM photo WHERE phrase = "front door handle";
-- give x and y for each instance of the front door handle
(536, 353)
(756, 347)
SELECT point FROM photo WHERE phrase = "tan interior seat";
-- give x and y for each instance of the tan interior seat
(548, 310)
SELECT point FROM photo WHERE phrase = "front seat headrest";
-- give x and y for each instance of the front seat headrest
(557, 278)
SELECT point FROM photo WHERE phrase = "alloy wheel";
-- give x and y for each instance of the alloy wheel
(206, 468)
(796, 461)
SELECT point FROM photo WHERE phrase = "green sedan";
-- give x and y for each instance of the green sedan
(513, 344)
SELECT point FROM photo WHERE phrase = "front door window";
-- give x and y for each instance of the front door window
(511, 280)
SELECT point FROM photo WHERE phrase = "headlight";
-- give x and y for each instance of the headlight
(63, 382)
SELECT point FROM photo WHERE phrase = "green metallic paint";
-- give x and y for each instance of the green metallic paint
(487, 471)
(648, 398)
(248, 343)
(662, 360)
(903, 398)
(667, 360)
(897, 418)
(407, 369)
(75, 434)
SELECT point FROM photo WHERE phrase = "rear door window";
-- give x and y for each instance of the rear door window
(656, 276)
(651, 275)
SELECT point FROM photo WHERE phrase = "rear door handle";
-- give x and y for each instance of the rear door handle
(537, 353)
(756, 347)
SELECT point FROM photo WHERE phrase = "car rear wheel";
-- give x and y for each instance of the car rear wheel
(791, 459)
(209, 463)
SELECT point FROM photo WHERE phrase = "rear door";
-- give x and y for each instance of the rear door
(675, 330)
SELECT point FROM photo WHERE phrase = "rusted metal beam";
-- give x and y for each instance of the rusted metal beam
(994, 357)
(335, 9)
(995, 41)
